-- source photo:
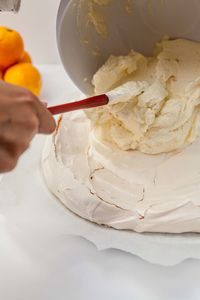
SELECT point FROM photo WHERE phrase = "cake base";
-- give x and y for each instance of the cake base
(123, 190)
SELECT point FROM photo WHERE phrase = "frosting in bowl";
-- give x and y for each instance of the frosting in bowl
(162, 111)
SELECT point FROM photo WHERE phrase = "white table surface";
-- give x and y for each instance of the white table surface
(78, 271)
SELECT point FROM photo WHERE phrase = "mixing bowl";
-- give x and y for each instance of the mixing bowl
(88, 32)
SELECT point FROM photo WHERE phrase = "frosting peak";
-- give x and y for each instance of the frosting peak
(161, 112)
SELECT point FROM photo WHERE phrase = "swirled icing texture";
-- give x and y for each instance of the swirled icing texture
(162, 111)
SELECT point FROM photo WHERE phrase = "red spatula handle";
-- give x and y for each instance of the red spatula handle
(83, 104)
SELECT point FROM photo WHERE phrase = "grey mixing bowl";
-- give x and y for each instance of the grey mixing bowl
(137, 26)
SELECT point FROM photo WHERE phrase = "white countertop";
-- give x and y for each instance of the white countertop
(77, 270)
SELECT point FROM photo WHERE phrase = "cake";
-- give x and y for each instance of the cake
(135, 163)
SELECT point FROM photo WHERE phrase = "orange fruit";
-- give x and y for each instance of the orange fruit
(24, 75)
(26, 58)
(11, 47)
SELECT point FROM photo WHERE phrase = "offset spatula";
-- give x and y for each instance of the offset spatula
(120, 93)
(83, 104)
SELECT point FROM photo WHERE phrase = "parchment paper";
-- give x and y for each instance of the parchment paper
(35, 218)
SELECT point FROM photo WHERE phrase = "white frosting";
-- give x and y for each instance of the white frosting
(159, 111)
(154, 107)
(122, 189)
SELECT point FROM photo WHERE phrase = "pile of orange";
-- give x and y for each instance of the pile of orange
(15, 63)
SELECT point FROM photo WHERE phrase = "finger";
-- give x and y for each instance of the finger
(13, 149)
(15, 138)
(47, 122)
(26, 99)
(25, 113)
(7, 163)
(18, 132)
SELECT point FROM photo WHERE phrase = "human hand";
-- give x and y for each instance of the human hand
(22, 116)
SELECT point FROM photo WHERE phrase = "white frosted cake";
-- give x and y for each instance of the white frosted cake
(135, 163)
